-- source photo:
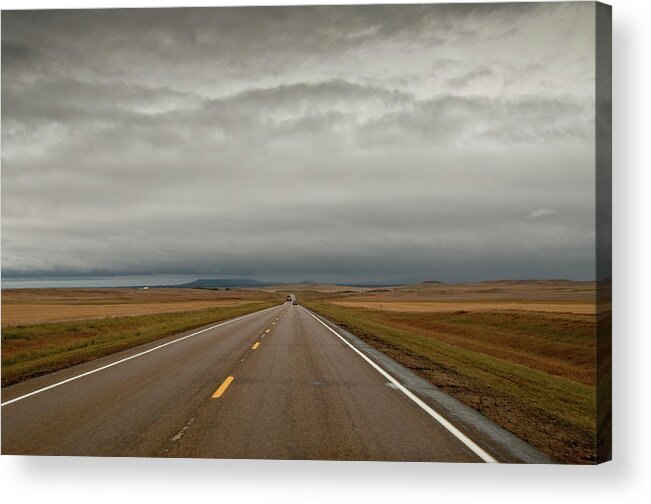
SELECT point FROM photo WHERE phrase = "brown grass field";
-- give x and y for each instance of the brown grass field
(37, 306)
(441, 306)
(522, 353)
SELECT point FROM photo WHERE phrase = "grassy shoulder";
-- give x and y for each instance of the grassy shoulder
(33, 350)
(524, 375)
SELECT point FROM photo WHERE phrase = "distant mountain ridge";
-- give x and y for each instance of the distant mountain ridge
(222, 283)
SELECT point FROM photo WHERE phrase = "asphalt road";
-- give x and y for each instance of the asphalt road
(277, 384)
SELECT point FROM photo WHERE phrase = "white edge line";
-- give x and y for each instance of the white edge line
(54, 385)
(440, 419)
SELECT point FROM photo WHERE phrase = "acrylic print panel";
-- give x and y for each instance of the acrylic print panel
(333, 232)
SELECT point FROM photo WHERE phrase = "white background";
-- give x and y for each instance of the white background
(626, 479)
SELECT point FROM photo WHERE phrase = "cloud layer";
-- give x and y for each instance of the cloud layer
(337, 143)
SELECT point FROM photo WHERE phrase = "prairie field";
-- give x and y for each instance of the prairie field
(521, 353)
(36, 306)
(442, 306)
(44, 330)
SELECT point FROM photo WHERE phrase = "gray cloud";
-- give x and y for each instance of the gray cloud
(350, 144)
(542, 213)
(465, 79)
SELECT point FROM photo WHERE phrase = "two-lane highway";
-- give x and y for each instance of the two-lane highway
(277, 384)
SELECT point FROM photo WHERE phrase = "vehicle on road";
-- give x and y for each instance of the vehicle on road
(288, 298)
(294, 302)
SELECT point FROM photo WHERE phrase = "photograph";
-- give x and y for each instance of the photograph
(312, 232)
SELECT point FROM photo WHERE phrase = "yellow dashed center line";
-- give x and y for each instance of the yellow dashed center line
(222, 388)
(257, 344)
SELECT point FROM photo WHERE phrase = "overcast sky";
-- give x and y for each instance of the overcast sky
(351, 144)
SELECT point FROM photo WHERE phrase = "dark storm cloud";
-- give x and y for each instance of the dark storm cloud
(358, 143)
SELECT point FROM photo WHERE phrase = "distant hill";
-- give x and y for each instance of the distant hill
(220, 283)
